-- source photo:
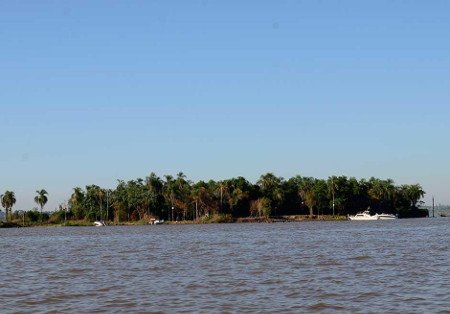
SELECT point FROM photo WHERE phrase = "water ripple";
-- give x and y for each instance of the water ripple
(310, 267)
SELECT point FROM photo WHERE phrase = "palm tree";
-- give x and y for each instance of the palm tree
(182, 194)
(376, 192)
(138, 198)
(76, 202)
(100, 193)
(332, 187)
(202, 199)
(271, 188)
(268, 182)
(154, 186)
(381, 192)
(221, 187)
(120, 201)
(239, 193)
(41, 199)
(93, 201)
(261, 207)
(413, 193)
(305, 191)
(8, 200)
(169, 193)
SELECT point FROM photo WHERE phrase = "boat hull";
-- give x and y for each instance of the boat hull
(363, 218)
(387, 217)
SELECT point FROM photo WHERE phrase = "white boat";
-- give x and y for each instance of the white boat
(99, 223)
(365, 215)
(154, 221)
(386, 216)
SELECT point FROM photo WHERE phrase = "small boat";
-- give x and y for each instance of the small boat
(365, 215)
(386, 216)
(100, 223)
(154, 221)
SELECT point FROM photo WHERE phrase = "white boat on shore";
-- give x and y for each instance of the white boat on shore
(365, 215)
(154, 221)
(100, 223)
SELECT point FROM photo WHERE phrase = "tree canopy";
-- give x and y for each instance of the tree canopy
(8, 199)
(178, 198)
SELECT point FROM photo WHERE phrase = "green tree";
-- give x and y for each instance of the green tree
(357, 198)
(182, 195)
(340, 193)
(307, 194)
(382, 194)
(120, 202)
(41, 199)
(169, 189)
(320, 191)
(223, 193)
(413, 193)
(202, 200)
(138, 198)
(261, 207)
(8, 199)
(240, 193)
(101, 193)
(91, 202)
(271, 188)
(333, 186)
(76, 203)
(155, 186)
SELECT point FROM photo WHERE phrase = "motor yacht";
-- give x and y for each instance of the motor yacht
(365, 215)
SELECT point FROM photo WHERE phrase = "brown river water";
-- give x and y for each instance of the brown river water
(400, 266)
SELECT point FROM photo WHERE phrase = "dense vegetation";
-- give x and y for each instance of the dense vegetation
(177, 198)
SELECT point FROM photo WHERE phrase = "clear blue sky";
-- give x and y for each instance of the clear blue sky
(94, 91)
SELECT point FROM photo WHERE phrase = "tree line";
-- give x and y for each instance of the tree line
(8, 199)
(176, 198)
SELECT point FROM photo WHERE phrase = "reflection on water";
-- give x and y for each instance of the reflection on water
(381, 266)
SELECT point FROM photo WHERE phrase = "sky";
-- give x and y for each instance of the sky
(95, 91)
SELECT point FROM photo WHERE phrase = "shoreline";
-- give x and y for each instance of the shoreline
(210, 220)
(204, 221)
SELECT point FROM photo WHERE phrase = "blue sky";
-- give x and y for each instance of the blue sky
(94, 91)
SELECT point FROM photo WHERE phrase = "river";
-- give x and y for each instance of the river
(368, 267)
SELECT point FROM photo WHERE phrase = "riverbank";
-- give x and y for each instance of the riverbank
(213, 219)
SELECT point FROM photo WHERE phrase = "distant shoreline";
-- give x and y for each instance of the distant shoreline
(213, 220)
